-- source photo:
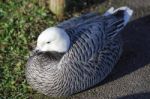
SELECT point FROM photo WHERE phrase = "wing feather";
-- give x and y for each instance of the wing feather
(92, 54)
(78, 21)
(89, 73)
(85, 44)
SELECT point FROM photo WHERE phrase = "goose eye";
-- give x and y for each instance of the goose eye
(48, 42)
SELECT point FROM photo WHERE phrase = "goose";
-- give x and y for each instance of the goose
(78, 53)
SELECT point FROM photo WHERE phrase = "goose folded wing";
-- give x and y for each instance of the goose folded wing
(77, 21)
(84, 74)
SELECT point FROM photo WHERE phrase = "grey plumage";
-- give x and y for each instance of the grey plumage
(95, 48)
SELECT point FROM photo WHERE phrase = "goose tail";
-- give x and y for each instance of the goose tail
(116, 20)
(124, 12)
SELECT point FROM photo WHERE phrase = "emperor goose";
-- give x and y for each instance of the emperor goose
(78, 53)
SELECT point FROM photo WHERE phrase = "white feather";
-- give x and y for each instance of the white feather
(58, 38)
(128, 13)
(109, 11)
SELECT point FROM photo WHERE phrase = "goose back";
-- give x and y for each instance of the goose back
(90, 59)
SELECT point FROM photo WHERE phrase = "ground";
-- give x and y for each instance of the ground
(22, 21)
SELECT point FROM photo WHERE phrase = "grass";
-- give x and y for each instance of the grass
(20, 23)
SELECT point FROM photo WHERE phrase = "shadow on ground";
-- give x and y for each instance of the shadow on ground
(136, 54)
(137, 96)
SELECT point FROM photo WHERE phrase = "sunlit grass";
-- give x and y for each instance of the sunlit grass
(20, 23)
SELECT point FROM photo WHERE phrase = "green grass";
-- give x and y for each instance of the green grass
(20, 24)
(21, 21)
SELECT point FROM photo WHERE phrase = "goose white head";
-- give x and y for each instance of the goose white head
(53, 39)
